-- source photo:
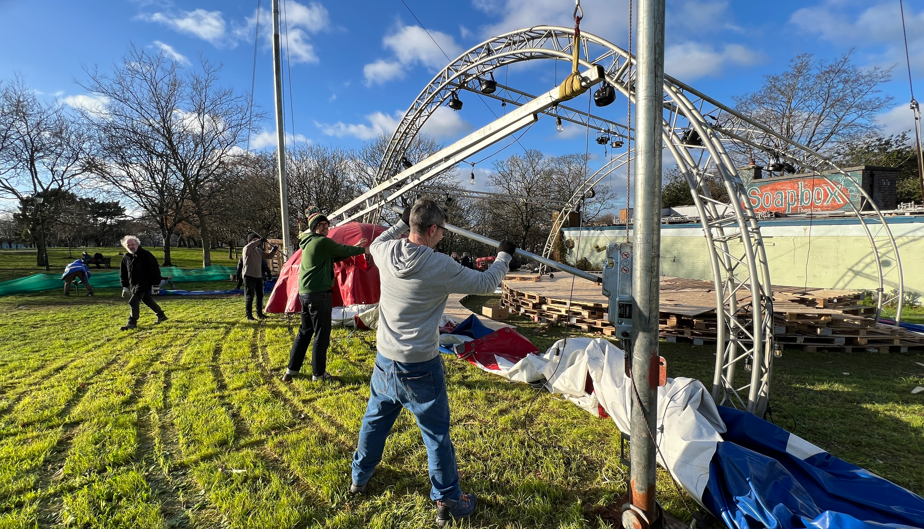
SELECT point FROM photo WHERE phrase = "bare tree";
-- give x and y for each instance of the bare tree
(817, 103)
(251, 200)
(369, 157)
(525, 221)
(569, 172)
(321, 176)
(43, 153)
(182, 123)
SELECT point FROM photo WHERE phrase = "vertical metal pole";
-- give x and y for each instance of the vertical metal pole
(647, 240)
(280, 131)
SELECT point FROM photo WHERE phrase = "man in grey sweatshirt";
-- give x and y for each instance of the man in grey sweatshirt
(415, 284)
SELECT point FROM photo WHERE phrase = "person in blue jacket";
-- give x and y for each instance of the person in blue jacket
(74, 271)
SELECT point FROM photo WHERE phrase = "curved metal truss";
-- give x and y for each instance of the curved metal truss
(744, 298)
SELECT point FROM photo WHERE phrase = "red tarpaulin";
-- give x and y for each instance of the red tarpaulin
(506, 343)
(356, 280)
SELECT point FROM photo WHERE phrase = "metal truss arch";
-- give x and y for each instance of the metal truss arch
(744, 300)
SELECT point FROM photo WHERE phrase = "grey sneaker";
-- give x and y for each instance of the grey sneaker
(448, 510)
(325, 376)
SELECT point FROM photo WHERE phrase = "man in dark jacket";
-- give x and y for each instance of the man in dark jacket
(252, 263)
(139, 272)
(315, 281)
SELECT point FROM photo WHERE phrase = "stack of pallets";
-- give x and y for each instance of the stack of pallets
(812, 319)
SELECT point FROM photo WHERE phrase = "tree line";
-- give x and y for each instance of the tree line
(165, 153)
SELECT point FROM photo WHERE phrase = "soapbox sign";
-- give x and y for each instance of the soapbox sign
(804, 195)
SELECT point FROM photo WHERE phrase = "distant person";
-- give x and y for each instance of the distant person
(98, 259)
(416, 282)
(455, 256)
(138, 273)
(466, 261)
(315, 284)
(252, 273)
(85, 257)
(78, 270)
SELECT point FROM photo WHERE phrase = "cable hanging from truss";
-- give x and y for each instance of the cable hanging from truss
(915, 107)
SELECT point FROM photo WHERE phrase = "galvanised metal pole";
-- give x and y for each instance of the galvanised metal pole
(280, 132)
(522, 253)
(649, 98)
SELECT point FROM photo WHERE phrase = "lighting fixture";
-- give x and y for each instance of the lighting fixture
(602, 138)
(454, 102)
(487, 86)
(691, 137)
(558, 126)
(616, 143)
(604, 95)
(406, 163)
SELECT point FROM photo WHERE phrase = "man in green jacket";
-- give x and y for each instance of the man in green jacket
(315, 281)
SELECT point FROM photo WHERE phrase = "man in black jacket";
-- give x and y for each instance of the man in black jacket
(139, 272)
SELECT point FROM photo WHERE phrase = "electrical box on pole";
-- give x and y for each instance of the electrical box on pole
(617, 286)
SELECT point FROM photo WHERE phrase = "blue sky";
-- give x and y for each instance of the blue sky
(357, 65)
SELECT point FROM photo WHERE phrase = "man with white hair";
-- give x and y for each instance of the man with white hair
(139, 272)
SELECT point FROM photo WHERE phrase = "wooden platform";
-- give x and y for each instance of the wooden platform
(811, 319)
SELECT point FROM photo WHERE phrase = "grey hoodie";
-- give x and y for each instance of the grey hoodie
(416, 282)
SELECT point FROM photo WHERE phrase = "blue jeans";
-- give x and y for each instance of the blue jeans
(421, 388)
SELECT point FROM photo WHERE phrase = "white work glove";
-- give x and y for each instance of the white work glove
(125, 292)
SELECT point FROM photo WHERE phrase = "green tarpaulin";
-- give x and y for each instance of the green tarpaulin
(40, 282)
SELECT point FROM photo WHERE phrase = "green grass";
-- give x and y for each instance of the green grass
(187, 424)
(20, 263)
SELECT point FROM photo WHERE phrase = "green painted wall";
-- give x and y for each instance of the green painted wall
(834, 256)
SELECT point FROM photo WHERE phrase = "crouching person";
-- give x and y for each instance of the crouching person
(139, 272)
(78, 270)
(415, 284)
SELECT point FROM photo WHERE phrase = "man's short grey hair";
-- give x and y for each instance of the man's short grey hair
(426, 213)
(129, 238)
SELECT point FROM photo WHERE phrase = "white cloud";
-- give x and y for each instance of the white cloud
(206, 25)
(605, 18)
(895, 121)
(882, 42)
(569, 131)
(464, 32)
(691, 60)
(93, 104)
(379, 123)
(312, 18)
(301, 20)
(268, 139)
(445, 123)
(411, 46)
(171, 53)
(382, 71)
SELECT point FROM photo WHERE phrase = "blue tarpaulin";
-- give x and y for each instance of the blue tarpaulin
(765, 477)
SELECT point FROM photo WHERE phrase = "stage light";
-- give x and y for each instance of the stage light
(604, 95)
(487, 86)
(454, 102)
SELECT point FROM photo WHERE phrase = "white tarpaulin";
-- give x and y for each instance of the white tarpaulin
(689, 425)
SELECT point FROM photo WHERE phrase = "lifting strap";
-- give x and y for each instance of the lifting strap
(571, 87)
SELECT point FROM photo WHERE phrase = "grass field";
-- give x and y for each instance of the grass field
(187, 424)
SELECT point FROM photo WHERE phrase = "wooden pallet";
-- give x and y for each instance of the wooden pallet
(813, 319)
